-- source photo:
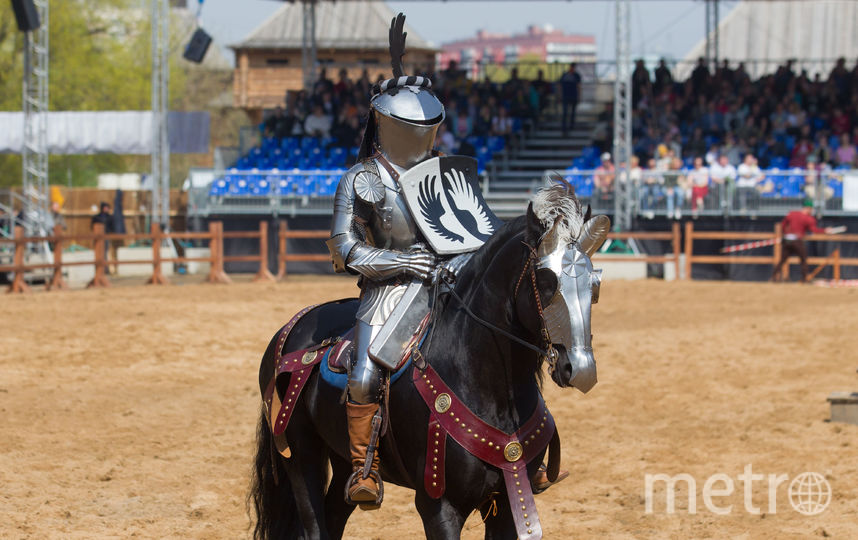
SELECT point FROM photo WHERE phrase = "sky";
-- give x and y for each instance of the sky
(659, 27)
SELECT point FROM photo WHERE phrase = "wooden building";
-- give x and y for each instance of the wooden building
(351, 35)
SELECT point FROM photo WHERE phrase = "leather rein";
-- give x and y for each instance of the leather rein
(549, 353)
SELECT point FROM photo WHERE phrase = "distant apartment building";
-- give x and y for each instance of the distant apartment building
(543, 43)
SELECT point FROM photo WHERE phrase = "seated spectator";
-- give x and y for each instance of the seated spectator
(273, 125)
(840, 122)
(675, 186)
(347, 133)
(502, 123)
(748, 181)
(317, 124)
(483, 122)
(650, 186)
(811, 183)
(696, 146)
(800, 153)
(699, 184)
(845, 154)
(603, 180)
(444, 140)
(723, 175)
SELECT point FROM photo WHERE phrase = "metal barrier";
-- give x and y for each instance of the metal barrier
(775, 193)
(215, 236)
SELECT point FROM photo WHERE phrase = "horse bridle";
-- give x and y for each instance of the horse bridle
(549, 352)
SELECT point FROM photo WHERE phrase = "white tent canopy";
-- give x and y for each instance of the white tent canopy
(117, 132)
(768, 33)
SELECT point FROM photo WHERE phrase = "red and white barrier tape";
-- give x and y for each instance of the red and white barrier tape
(750, 245)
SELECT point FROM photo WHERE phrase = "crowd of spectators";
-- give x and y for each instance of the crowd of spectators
(722, 132)
(477, 112)
(784, 119)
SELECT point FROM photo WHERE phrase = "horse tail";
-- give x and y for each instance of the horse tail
(271, 493)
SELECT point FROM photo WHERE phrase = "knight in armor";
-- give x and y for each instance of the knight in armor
(374, 235)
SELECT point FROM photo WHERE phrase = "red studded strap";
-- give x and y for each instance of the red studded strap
(511, 453)
(436, 446)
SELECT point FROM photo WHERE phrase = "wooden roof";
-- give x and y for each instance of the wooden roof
(357, 24)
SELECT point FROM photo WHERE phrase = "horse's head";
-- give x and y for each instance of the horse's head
(565, 237)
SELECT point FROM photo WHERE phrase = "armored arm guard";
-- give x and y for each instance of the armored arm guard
(348, 247)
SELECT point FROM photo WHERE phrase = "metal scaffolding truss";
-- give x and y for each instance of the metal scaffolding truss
(623, 188)
(712, 19)
(35, 103)
(160, 163)
(309, 58)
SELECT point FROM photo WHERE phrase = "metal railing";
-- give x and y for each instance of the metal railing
(300, 192)
(773, 193)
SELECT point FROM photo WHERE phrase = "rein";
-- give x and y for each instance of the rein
(550, 353)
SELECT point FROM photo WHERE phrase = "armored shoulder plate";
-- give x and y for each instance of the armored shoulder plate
(368, 184)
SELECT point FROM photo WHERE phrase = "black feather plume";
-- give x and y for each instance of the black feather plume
(397, 45)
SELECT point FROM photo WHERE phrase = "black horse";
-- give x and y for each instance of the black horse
(496, 377)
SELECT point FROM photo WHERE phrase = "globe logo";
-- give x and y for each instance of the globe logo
(809, 493)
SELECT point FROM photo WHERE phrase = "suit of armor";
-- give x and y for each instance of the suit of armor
(379, 241)
(374, 235)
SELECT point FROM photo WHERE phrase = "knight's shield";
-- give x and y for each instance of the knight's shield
(445, 200)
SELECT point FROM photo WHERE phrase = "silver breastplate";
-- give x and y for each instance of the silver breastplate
(390, 225)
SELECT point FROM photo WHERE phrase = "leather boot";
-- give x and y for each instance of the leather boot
(362, 491)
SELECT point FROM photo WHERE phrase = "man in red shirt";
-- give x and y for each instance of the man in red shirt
(795, 226)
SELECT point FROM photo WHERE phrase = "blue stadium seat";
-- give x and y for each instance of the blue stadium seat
(308, 143)
(239, 187)
(269, 144)
(779, 162)
(496, 144)
(219, 187)
(337, 157)
(834, 142)
(289, 143)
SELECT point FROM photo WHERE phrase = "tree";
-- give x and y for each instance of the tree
(100, 59)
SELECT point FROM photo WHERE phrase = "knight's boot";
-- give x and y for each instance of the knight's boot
(540, 481)
(365, 492)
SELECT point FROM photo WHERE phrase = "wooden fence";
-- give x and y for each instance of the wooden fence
(835, 260)
(216, 259)
(216, 235)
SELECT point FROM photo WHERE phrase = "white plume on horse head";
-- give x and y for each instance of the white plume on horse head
(557, 204)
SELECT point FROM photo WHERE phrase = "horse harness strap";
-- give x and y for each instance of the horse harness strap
(508, 452)
(300, 365)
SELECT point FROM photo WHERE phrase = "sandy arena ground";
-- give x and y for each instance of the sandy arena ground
(130, 412)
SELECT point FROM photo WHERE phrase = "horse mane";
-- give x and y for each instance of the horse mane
(558, 205)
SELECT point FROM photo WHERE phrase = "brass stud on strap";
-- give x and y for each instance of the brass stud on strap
(443, 403)
(513, 451)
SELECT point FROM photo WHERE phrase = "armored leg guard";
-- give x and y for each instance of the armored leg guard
(364, 487)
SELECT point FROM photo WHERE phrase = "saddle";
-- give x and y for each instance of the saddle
(292, 370)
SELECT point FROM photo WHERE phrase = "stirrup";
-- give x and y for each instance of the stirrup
(353, 480)
(539, 487)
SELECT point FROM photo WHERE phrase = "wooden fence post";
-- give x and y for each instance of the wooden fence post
(158, 277)
(57, 281)
(18, 284)
(836, 264)
(281, 250)
(216, 273)
(263, 274)
(100, 279)
(677, 248)
(778, 251)
(689, 247)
